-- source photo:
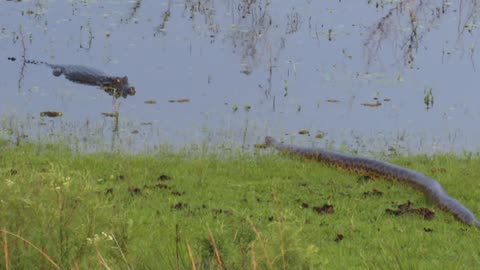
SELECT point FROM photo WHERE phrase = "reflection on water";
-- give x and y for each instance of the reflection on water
(363, 75)
(409, 22)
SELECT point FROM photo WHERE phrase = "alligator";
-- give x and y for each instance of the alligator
(112, 85)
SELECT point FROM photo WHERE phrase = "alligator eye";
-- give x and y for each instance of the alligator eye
(116, 80)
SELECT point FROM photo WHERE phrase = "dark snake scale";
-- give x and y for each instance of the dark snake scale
(381, 169)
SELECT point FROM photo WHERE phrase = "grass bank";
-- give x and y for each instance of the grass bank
(191, 210)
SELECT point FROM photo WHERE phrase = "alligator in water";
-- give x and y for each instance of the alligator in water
(113, 85)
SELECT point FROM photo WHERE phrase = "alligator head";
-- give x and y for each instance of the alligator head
(119, 87)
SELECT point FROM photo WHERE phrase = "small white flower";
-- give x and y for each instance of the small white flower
(107, 236)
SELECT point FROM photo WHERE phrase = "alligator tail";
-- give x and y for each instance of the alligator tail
(35, 62)
(28, 61)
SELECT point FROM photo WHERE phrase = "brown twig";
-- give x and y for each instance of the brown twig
(5, 250)
(100, 258)
(45, 255)
(254, 256)
(215, 248)
(190, 255)
(264, 248)
(121, 252)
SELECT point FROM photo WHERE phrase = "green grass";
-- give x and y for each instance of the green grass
(236, 210)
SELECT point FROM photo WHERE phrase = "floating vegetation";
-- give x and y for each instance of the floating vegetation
(428, 98)
(372, 105)
(28, 12)
(248, 108)
(247, 71)
(182, 100)
(330, 34)
(376, 102)
(51, 114)
(114, 114)
(304, 132)
(319, 135)
(332, 100)
(150, 101)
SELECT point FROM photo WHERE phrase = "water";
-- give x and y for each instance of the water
(248, 69)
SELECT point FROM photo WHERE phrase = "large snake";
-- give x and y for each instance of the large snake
(381, 169)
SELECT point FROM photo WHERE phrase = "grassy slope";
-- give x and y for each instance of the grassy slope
(251, 203)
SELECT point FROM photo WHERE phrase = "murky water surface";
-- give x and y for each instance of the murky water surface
(370, 75)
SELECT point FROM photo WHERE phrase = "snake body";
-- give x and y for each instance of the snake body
(381, 169)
